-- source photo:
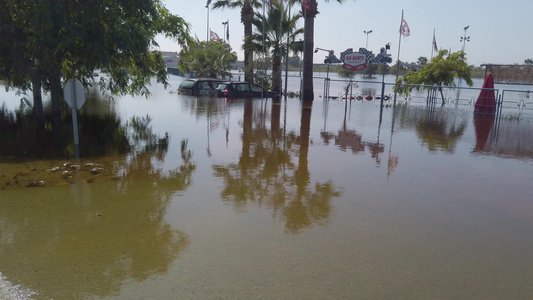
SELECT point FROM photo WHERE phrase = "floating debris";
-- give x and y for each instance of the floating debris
(96, 170)
(36, 183)
(92, 164)
(54, 169)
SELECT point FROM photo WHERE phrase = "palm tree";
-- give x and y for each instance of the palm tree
(247, 14)
(309, 12)
(278, 36)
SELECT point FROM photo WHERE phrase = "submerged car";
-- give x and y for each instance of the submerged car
(243, 90)
(199, 87)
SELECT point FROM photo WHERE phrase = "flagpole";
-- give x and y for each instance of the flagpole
(287, 55)
(433, 43)
(398, 59)
(281, 13)
(207, 6)
(263, 49)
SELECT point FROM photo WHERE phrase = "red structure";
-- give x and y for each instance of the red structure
(486, 101)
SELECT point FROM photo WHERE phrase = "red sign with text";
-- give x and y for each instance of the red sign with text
(354, 61)
(354, 68)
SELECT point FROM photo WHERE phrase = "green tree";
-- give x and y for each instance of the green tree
(528, 61)
(402, 65)
(247, 14)
(342, 72)
(294, 62)
(211, 59)
(422, 60)
(372, 69)
(277, 37)
(44, 41)
(441, 71)
(309, 12)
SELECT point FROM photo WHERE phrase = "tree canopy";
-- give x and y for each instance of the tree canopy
(45, 41)
(441, 71)
(213, 59)
(77, 38)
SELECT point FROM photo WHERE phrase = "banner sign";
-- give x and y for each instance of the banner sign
(354, 68)
(354, 61)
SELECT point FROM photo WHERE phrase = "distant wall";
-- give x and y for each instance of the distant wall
(511, 74)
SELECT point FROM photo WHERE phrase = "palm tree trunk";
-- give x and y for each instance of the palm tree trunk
(276, 73)
(309, 46)
(247, 14)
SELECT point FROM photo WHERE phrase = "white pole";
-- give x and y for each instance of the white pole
(263, 49)
(399, 46)
(75, 121)
(433, 43)
(398, 59)
(207, 6)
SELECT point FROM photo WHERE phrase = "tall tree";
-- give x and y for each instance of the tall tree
(44, 41)
(280, 34)
(422, 60)
(441, 71)
(208, 59)
(309, 12)
(247, 14)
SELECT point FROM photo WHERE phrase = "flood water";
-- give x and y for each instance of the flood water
(262, 200)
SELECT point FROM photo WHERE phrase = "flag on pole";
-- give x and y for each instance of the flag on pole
(404, 30)
(214, 36)
(435, 43)
(196, 39)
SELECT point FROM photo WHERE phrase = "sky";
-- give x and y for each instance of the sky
(501, 32)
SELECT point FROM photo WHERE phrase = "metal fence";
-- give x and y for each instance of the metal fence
(332, 89)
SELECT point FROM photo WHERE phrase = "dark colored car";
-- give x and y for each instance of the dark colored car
(243, 90)
(199, 87)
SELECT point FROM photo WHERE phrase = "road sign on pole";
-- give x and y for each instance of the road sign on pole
(74, 95)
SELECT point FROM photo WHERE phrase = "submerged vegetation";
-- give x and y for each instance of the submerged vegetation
(110, 151)
(99, 134)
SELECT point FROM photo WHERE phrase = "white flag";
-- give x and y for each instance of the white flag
(214, 36)
(404, 30)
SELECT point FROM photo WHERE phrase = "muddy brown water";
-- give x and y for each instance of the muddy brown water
(270, 201)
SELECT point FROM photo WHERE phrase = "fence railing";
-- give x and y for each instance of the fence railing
(460, 96)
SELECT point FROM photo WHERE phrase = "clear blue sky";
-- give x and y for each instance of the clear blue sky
(501, 32)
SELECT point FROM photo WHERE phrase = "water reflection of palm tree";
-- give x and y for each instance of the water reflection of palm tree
(308, 206)
(267, 176)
